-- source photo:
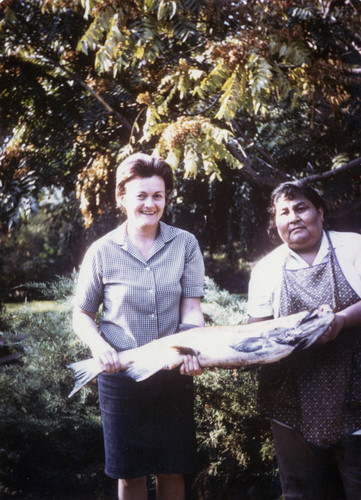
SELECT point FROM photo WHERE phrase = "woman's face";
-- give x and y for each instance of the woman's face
(144, 201)
(299, 223)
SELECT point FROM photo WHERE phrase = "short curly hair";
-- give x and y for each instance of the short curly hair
(291, 191)
(143, 165)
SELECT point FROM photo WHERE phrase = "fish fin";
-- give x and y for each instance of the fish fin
(303, 344)
(85, 371)
(251, 344)
(183, 350)
(283, 335)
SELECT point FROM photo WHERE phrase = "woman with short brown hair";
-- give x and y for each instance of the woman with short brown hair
(148, 276)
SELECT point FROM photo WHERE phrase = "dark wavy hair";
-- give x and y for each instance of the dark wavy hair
(291, 191)
(142, 165)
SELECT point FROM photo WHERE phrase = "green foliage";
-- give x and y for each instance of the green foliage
(234, 440)
(41, 247)
(49, 243)
(233, 97)
(86, 82)
(222, 307)
(17, 200)
(235, 443)
(52, 446)
(126, 36)
(47, 345)
(59, 290)
(48, 441)
(238, 96)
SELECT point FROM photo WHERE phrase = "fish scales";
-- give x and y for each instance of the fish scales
(218, 346)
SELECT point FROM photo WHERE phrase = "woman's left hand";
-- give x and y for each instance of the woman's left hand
(347, 318)
(191, 366)
(333, 330)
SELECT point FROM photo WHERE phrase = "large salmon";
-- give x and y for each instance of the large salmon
(218, 346)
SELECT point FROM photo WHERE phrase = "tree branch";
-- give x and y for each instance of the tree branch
(259, 179)
(81, 82)
(262, 152)
(250, 173)
(203, 111)
(355, 6)
(333, 172)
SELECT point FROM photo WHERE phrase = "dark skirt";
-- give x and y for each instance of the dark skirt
(148, 426)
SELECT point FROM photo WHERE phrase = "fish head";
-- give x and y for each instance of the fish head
(309, 327)
(323, 313)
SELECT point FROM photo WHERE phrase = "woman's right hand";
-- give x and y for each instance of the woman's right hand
(107, 357)
(85, 327)
(191, 366)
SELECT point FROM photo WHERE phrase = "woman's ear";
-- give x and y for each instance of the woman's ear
(119, 200)
(320, 211)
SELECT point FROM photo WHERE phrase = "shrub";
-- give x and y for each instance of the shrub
(235, 442)
(53, 445)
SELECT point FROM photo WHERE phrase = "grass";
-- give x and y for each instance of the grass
(36, 306)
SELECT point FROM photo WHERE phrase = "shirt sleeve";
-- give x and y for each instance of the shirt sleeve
(260, 293)
(89, 289)
(357, 261)
(192, 280)
(348, 252)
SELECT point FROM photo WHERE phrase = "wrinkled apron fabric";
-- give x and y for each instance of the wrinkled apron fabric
(316, 391)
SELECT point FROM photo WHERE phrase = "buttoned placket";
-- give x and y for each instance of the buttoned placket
(151, 289)
(149, 282)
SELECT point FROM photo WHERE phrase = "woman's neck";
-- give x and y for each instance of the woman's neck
(308, 254)
(142, 238)
(308, 257)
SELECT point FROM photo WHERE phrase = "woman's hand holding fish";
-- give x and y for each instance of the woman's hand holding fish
(107, 358)
(84, 324)
(190, 366)
(347, 318)
(333, 330)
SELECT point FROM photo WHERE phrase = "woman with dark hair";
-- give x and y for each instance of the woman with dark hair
(148, 277)
(313, 397)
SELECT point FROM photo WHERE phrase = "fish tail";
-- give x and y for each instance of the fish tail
(85, 371)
